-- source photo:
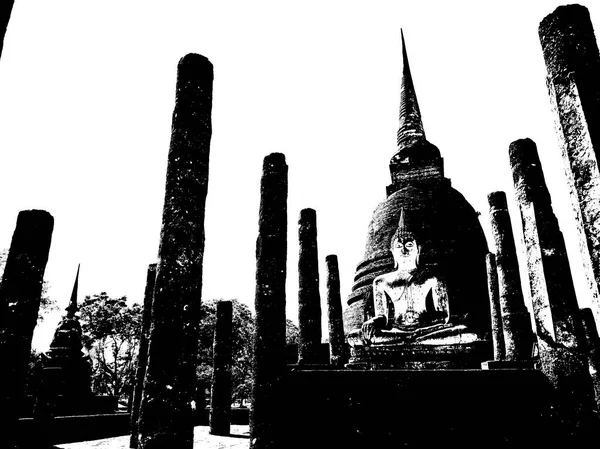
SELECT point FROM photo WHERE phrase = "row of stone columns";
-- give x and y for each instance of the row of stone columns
(309, 299)
(162, 405)
(567, 359)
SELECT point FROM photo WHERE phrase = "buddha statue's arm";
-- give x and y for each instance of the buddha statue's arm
(380, 320)
(379, 298)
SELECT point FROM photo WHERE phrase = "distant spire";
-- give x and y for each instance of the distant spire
(72, 307)
(411, 126)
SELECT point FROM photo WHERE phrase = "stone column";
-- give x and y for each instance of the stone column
(20, 294)
(573, 67)
(269, 344)
(516, 324)
(553, 296)
(558, 321)
(496, 313)
(5, 11)
(593, 344)
(309, 299)
(166, 414)
(337, 340)
(220, 397)
(142, 360)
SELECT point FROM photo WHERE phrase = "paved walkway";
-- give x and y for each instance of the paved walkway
(239, 439)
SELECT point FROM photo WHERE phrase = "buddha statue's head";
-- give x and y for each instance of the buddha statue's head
(405, 247)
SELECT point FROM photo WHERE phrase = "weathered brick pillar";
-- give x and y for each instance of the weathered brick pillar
(573, 66)
(561, 339)
(166, 414)
(593, 344)
(309, 299)
(269, 344)
(516, 324)
(496, 313)
(20, 294)
(220, 397)
(553, 296)
(337, 341)
(142, 360)
(5, 11)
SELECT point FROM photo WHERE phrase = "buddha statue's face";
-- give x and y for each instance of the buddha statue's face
(406, 252)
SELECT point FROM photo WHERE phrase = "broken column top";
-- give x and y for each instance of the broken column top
(525, 162)
(568, 40)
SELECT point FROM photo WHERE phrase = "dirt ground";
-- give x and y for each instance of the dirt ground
(239, 438)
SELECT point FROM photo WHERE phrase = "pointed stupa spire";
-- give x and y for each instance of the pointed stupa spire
(72, 307)
(411, 126)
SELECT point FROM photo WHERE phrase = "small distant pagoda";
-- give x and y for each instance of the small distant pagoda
(67, 369)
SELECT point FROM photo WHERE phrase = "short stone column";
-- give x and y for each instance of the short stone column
(20, 295)
(269, 344)
(573, 66)
(516, 323)
(309, 299)
(220, 397)
(496, 313)
(553, 296)
(166, 414)
(593, 345)
(142, 359)
(337, 341)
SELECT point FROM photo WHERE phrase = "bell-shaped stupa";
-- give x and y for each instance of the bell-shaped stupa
(451, 241)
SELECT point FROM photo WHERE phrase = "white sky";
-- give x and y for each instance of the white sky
(87, 92)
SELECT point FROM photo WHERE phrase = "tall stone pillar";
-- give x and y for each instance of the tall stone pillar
(220, 398)
(495, 310)
(593, 344)
(269, 344)
(166, 414)
(516, 324)
(5, 11)
(561, 339)
(337, 341)
(573, 67)
(142, 360)
(553, 296)
(309, 299)
(20, 294)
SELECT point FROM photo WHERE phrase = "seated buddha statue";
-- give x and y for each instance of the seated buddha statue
(411, 303)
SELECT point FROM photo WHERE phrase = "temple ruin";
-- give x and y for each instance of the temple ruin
(437, 344)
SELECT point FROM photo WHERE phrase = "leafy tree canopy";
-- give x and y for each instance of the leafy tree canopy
(111, 330)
